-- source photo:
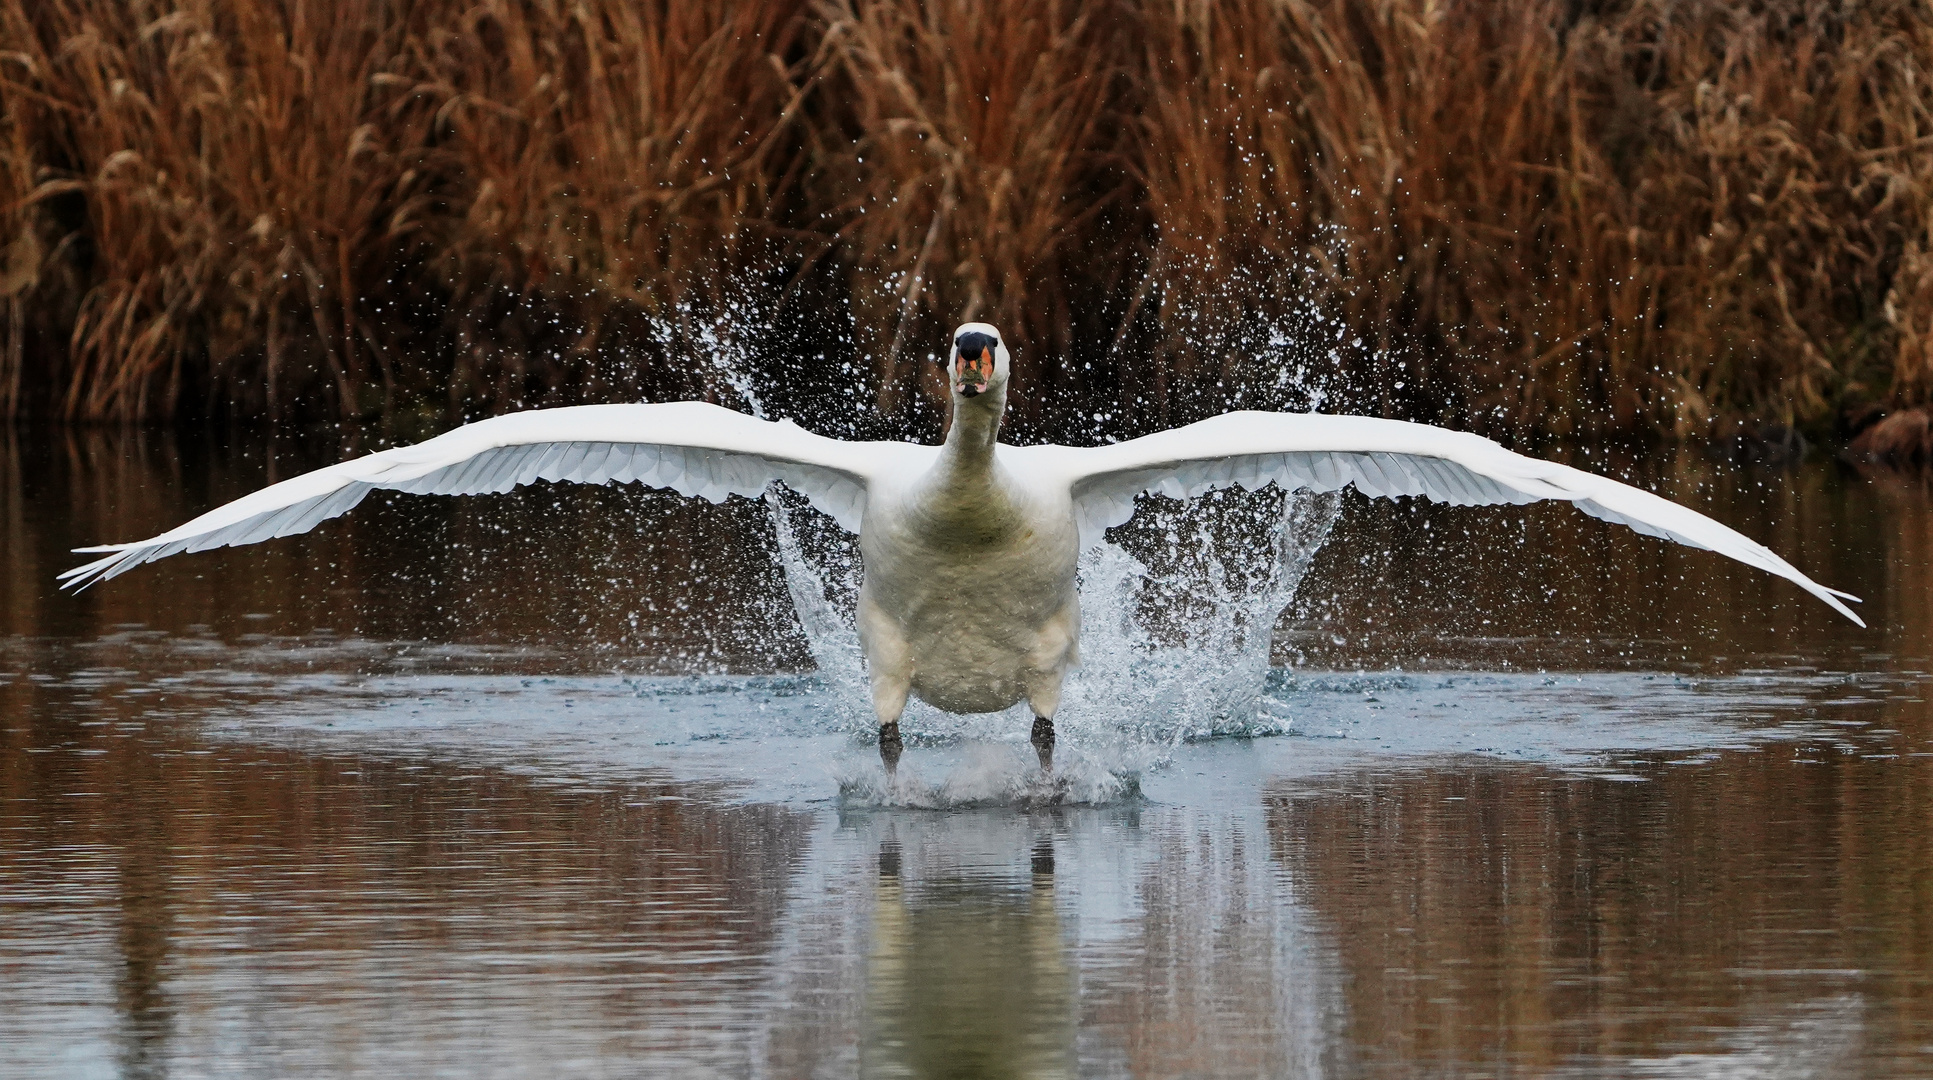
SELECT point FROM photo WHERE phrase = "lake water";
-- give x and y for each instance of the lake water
(547, 784)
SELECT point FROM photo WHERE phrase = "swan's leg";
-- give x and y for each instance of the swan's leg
(1043, 740)
(890, 745)
(1043, 696)
(889, 667)
(1057, 650)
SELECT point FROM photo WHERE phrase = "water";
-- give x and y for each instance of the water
(551, 784)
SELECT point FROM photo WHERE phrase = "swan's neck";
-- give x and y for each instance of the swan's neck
(967, 456)
(963, 500)
(974, 430)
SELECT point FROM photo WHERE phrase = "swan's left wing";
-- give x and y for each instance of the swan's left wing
(692, 447)
(1382, 458)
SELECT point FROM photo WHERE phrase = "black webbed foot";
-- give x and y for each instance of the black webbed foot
(1043, 740)
(890, 747)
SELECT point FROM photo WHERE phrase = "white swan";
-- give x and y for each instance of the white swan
(968, 548)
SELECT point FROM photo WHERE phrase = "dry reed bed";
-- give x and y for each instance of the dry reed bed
(1545, 217)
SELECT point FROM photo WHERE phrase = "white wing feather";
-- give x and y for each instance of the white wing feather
(692, 447)
(1383, 458)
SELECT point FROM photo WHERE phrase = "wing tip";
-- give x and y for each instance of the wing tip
(122, 557)
(1832, 599)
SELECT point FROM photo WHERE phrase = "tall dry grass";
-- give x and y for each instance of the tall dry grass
(1546, 217)
(287, 206)
(220, 191)
(1654, 216)
(970, 178)
(609, 166)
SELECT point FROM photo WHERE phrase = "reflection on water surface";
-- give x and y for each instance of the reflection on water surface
(539, 785)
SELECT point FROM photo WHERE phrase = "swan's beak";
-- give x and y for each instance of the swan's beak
(973, 366)
(971, 374)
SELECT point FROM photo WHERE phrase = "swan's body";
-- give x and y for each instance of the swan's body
(969, 548)
(968, 597)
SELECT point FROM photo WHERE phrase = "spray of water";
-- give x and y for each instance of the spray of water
(1179, 610)
(1178, 613)
(822, 574)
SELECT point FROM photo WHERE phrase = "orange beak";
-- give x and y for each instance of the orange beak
(974, 373)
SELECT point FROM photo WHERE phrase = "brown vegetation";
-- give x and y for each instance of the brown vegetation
(1899, 438)
(1588, 217)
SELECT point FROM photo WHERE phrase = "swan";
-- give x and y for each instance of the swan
(968, 548)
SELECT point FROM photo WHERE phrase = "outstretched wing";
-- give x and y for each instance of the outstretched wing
(1381, 458)
(694, 448)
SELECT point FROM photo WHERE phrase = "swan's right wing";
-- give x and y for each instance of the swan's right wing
(1380, 458)
(692, 447)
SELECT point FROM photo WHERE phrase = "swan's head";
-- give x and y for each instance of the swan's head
(977, 361)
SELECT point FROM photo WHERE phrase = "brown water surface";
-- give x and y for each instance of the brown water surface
(542, 785)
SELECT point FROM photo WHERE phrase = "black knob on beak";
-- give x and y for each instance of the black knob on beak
(972, 344)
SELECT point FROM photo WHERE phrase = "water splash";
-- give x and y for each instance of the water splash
(822, 574)
(723, 333)
(988, 774)
(1178, 612)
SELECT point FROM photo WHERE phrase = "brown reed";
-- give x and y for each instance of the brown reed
(968, 174)
(1665, 217)
(1546, 217)
(272, 193)
(605, 159)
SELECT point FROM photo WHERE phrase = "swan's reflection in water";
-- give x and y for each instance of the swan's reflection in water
(1133, 940)
(969, 974)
